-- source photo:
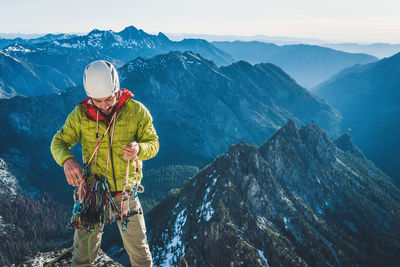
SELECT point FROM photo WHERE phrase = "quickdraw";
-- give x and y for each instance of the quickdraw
(97, 208)
(127, 191)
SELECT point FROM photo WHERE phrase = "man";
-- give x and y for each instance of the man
(131, 135)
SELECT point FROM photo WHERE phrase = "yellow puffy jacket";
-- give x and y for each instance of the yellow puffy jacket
(133, 123)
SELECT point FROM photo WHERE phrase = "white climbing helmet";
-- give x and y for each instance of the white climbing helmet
(100, 79)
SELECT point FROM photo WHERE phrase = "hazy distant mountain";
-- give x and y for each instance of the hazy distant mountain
(368, 96)
(28, 79)
(46, 38)
(298, 200)
(309, 65)
(279, 40)
(379, 50)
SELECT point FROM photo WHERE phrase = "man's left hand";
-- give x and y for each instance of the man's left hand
(130, 152)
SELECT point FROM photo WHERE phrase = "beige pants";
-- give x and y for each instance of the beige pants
(135, 240)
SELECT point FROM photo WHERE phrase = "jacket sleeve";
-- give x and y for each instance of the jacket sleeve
(147, 137)
(66, 137)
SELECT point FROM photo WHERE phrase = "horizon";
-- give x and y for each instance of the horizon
(341, 21)
(174, 36)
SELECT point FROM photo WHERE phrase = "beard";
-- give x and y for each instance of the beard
(108, 114)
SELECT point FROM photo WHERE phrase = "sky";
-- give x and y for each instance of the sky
(363, 21)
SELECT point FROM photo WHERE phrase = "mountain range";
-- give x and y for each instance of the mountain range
(199, 109)
(69, 56)
(297, 200)
(309, 65)
(185, 94)
(368, 96)
(379, 50)
(23, 40)
(208, 108)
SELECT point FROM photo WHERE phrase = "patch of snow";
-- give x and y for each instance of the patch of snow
(285, 199)
(40, 259)
(205, 210)
(63, 44)
(118, 38)
(196, 57)
(18, 48)
(175, 248)
(96, 35)
(286, 221)
(319, 210)
(95, 42)
(8, 182)
(261, 255)
(347, 167)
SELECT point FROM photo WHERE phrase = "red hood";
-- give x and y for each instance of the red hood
(91, 110)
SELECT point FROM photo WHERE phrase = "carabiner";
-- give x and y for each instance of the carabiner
(78, 208)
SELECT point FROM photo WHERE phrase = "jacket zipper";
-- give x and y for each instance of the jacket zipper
(112, 162)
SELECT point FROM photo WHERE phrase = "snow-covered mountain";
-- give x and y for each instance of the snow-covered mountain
(120, 46)
(298, 200)
(22, 40)
(68, 57)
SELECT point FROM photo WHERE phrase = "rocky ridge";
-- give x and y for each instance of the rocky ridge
(297, 200)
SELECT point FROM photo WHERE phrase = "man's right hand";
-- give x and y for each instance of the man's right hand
(73, 171)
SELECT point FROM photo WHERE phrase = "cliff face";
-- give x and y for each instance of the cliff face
(297, 200)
